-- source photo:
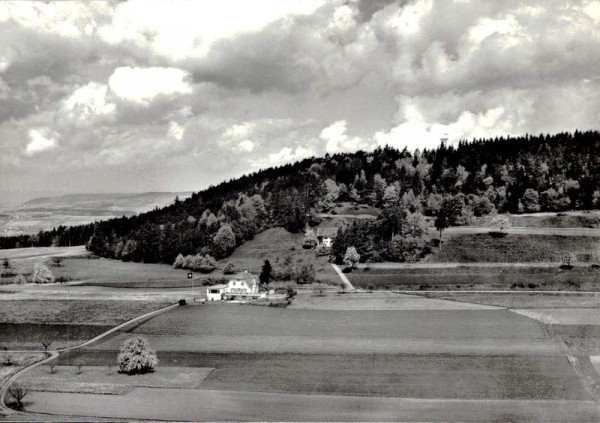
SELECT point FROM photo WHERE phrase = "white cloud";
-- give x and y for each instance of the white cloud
(141, 85)
(338, 141)
(88, 103)
(246, 145)
(285, 155)
(41, 139)
(185, 29)
(176, 131)
(239, 131)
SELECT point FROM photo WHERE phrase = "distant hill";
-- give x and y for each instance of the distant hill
(45, 213)
(103, 204)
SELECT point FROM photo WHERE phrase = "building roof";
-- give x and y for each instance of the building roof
(243, 276)
(220, 286)
(327, 232)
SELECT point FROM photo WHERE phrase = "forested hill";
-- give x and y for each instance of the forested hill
(514, 174)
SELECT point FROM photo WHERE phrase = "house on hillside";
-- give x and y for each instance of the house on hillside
(326, 236)
(243, 286)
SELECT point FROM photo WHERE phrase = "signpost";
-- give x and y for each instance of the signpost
(190, 275)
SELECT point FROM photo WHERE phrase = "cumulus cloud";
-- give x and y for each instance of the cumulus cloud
(141, 85)
(246, 145)
(41, 139)
(338, 141)
(87, 104)
(176, 131)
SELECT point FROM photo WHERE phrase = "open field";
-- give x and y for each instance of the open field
(25, 324)
(500, 277)
(207, 405)
(523, 300)
(380, 300)
(447, 376)
(112, 272)
(85, 312)
(467, 248)
(231, 328)
(30, 336)
(584, 219)
(442, 354)
(102, 380)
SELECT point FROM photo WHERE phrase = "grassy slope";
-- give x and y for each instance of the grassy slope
(275, 244)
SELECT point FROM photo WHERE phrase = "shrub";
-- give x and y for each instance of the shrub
(207, 264)
(290, 292)
(57, 261)
(41, 274)
(182, 302)
(136, 357)
(178, 263)
(62, 279)
(229, 269)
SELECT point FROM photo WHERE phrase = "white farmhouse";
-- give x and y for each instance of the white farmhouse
(326, 236)
(243, 286)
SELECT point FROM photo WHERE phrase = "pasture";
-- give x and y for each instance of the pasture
(477, 278)
(25, 324)
(513, 248)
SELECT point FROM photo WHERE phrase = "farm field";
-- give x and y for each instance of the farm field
(500, 277)
(446, 376)
(378, 300)
(116, 272)
(530, 300)
(190, 405)
(513, 248)
(484, 358)
(105, 380)
(25, 324)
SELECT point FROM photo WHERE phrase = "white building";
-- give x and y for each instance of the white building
(215, 292)
(326, 236)
(243, 286)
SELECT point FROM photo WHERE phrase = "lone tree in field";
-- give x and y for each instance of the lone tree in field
(265, 273)
(501, 223)
(6, 264)
(136, 357)
(441, 224)
(41, 274)
(351, 257)
(57, 261)
(18, 393)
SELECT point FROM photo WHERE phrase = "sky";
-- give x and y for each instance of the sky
(151, 95)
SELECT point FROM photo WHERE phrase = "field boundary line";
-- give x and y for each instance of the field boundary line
(54, 354)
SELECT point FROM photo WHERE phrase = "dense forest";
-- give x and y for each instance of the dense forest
(481, 177)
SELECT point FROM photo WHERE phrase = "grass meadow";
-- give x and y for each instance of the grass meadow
(473, 278)
(513, 248)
